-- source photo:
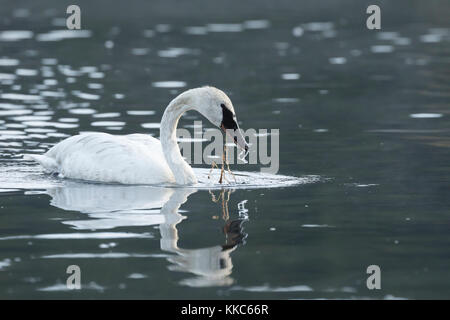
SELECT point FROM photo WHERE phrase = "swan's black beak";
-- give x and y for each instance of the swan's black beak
(230, 127)
(235, 133)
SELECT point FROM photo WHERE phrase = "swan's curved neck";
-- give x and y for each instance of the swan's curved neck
(181, 170)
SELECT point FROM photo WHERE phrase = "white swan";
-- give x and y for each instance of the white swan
(140, 158)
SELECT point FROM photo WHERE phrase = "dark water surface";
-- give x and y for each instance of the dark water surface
(367, 111)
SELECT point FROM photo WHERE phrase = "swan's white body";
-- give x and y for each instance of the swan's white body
(97, 156)
(136, 158)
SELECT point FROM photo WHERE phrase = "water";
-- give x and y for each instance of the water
(364, 125)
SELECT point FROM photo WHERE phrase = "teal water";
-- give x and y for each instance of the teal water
(364, 112)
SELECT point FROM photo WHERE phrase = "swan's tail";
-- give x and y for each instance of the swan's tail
(48, 163)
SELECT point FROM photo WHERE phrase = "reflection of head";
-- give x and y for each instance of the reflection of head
(212, 266)
(234, 234)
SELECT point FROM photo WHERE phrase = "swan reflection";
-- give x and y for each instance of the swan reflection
(112, 206)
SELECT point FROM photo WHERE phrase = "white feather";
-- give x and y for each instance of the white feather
(129, 159)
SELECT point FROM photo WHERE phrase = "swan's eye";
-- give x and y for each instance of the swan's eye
(223, 106)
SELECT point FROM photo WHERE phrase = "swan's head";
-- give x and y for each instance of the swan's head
(217, 107)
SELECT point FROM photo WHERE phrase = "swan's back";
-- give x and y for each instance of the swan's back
(128, 159)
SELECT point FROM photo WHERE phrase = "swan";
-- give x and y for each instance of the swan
(140, 158)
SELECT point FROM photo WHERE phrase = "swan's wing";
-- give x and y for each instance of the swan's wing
(133, 159)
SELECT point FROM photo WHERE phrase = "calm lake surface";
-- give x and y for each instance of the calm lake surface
(366, 111)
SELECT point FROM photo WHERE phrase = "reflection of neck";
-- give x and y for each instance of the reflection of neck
(181, 170)
(212, 264)
(168, 230)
